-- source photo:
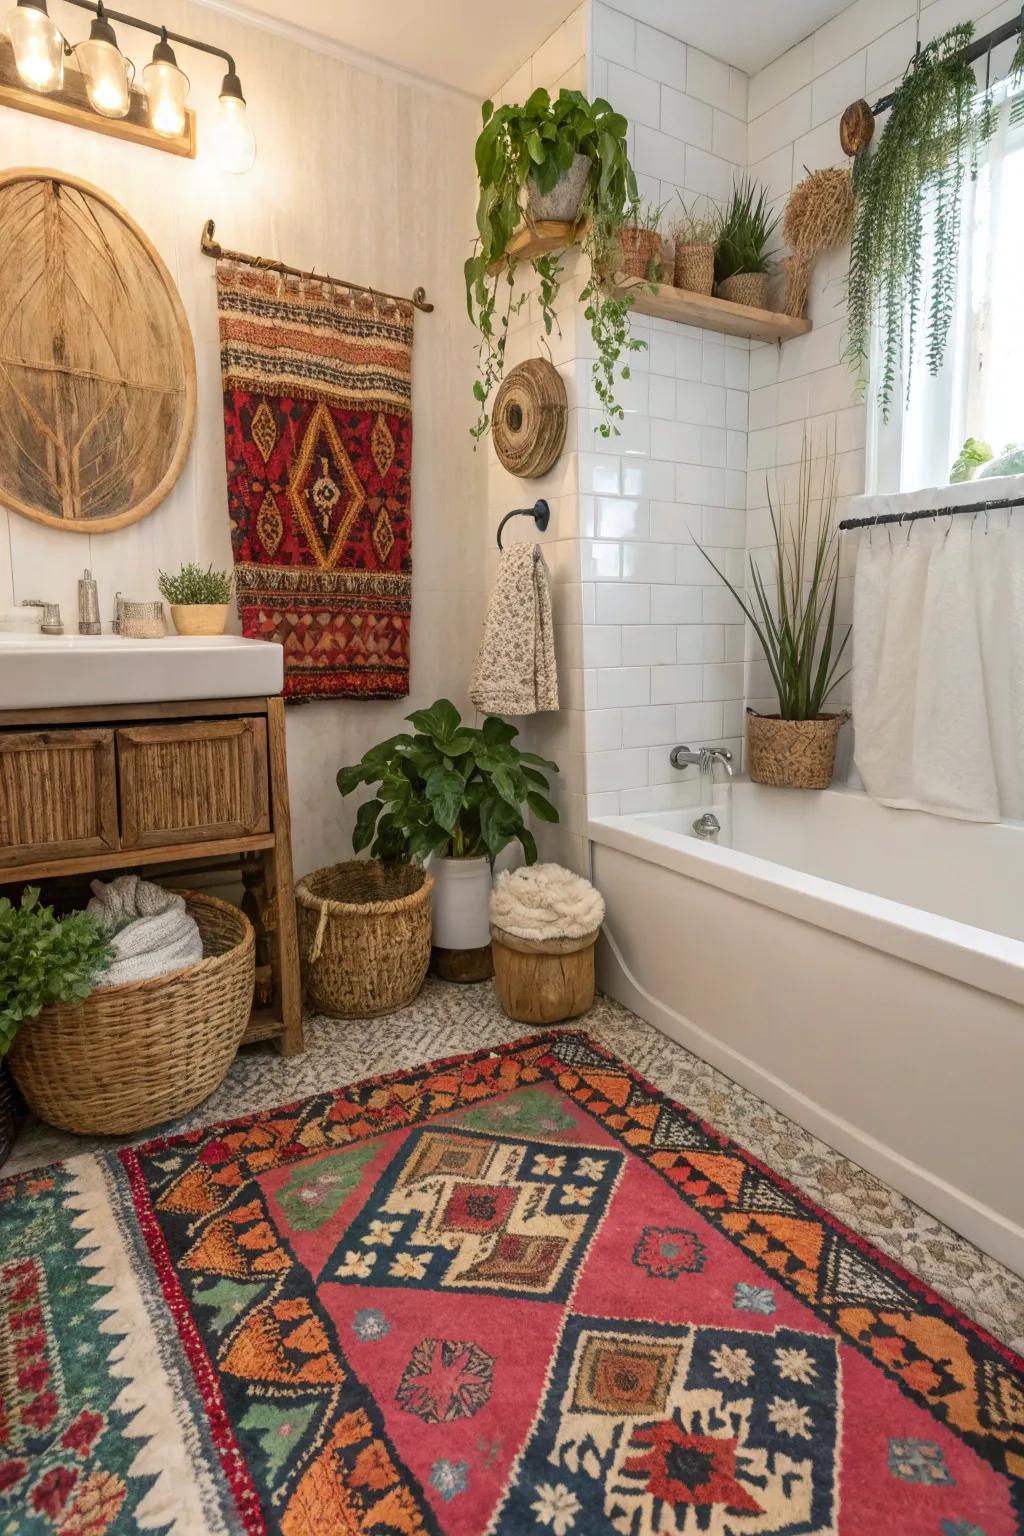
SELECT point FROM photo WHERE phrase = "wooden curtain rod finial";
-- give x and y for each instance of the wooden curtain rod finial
(211, 247)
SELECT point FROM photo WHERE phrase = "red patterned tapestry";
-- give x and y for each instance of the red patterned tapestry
(520, 1293)
(318, 440)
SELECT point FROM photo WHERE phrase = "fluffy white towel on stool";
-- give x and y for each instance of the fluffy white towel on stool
(515, 672)
(151, 931)
(545, 901)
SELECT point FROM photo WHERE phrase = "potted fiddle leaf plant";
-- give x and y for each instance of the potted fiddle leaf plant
(567, 160)
(199, 599)
(43, 959)
(742, 253)
(796, 629)
(457, 796)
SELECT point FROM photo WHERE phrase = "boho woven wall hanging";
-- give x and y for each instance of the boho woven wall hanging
(530, 414)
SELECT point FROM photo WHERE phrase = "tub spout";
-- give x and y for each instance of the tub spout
(704, 758)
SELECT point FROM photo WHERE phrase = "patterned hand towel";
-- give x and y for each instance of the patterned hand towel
(515, 671)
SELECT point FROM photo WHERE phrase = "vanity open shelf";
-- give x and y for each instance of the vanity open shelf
(664, 301)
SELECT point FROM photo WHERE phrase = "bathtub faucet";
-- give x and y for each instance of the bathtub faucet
(704, 758)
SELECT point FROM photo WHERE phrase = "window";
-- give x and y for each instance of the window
(978, 392)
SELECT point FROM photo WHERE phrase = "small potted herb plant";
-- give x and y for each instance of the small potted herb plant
(568, 160)
(694, 233)
(43, 960)
(639, 243)
(742, 261)
(796, 748)
(457, 796)
(198, 599)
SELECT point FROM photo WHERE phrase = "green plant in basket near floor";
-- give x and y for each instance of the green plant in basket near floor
(44, 959)
(743, 260)
(527, 156)
(457, 795)
(794, 619)
(198, 598)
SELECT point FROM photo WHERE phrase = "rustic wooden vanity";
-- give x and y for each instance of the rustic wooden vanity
(85, 790)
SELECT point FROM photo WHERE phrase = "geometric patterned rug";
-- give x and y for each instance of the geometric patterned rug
(520, 1293)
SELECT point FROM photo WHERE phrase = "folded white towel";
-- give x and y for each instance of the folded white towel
(515, 671)
(151, 931)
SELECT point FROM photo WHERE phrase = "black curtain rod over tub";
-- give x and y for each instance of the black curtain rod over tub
(1001, 505)
(972, 53)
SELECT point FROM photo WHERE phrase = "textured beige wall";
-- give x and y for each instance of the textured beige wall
(359, 174)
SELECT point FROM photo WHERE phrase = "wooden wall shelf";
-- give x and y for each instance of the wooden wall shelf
(661, 299)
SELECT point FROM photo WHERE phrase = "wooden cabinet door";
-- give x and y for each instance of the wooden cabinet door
(200, 779)
(58, 795)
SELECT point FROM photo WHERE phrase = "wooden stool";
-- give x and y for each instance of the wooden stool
(542, 981)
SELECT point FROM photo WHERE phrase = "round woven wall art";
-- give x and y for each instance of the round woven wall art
(530, 414)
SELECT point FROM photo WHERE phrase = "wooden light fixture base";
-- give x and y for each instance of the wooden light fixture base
(71, 105)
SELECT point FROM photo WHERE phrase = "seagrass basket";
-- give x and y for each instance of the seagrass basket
(695, 267)
(793, 754)
(751, 288)
(9, 1116)
(364, 936)
(639, 253)
(130, 1057)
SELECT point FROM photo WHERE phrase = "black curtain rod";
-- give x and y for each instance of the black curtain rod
(1000, 505)
(972, 53)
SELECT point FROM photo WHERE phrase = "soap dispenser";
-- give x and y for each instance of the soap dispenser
(88, 605)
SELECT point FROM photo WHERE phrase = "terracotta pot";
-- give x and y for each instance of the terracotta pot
(563, 201)
(199, 618)
(640, 254)
(750, 288)
(793, 754)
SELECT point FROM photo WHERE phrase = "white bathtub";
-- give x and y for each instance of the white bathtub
(860, 968)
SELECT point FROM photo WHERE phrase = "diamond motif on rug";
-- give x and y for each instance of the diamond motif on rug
(324, 489)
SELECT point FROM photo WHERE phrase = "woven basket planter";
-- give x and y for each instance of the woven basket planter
(750, 288)
(639, 254)
(695, 268)
(9, 1116)
(541, 981)
(130, 1057)
(793, 754)
(364, 936)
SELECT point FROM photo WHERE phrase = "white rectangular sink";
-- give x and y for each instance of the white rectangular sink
(54, 671)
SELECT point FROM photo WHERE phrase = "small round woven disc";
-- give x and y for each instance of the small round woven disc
(530, 414)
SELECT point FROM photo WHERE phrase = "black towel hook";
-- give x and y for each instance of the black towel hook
(540, 512)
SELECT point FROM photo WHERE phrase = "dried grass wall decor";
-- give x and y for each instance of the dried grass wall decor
(530, 414)
(818, 217)
(97, 367)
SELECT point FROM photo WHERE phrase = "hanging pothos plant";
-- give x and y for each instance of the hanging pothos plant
(908, 190)
(534, 144)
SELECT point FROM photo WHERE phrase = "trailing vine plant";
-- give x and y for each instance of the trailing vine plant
(909, 187)
(535, 143)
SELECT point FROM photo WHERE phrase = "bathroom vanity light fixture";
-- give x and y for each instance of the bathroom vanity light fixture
(156, 114)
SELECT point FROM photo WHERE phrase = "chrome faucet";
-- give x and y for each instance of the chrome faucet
(51, 622)
(704, 758)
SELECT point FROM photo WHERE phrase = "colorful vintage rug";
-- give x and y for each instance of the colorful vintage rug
(520, 1293)
(318, 440)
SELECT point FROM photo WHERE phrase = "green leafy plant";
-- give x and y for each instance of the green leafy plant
(607, 312)
(448, 788)
(907, 196)
(972, 455)
(194, 585)
(796, 628)
(44, 959)
(697, 223)
(745, 235)
(536, 142)
(644, 215)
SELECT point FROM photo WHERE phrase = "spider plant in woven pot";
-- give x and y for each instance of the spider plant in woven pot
(564, 159)
(795, 624)
(455, 795)
(742, 262)
(694, 233)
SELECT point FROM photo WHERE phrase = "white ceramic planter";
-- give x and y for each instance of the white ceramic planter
(462, 889)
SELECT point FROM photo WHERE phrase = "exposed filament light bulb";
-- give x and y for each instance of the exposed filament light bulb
(166, 88)
(234, 141)
(108, 74)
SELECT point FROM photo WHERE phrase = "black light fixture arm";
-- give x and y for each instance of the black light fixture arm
(975, 50)
(163, 33)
